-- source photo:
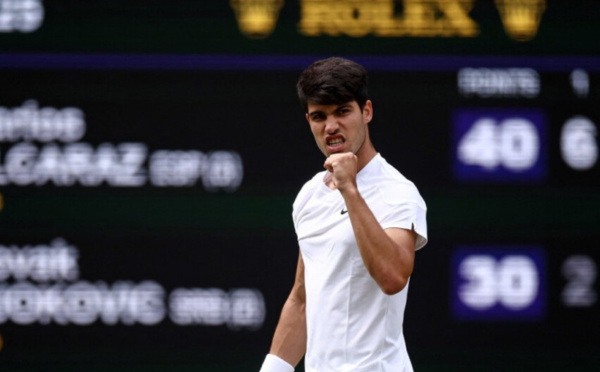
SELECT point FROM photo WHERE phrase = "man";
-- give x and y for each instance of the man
(358, 223)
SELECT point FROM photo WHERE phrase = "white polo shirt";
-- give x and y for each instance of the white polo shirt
(351, 324)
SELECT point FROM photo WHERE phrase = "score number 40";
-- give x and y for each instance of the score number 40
(514, 143)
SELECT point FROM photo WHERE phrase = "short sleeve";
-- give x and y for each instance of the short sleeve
(403, 207)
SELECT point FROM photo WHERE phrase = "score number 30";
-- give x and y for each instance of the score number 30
(503, 285)
(512, 282)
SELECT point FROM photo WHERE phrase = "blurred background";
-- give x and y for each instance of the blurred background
(150, 151)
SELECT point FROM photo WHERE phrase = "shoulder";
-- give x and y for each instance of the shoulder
(307, 190)
(398, 203)
(393, 186)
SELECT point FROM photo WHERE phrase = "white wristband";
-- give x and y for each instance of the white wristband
(273, 363)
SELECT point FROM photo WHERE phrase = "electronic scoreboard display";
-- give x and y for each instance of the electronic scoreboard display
(150, 152)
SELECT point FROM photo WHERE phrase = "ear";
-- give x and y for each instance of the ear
(368, 111)
(307, 118)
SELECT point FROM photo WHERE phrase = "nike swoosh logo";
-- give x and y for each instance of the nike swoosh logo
(344, 211)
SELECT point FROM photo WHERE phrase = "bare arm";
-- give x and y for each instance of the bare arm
(289, 341)
(388, 254)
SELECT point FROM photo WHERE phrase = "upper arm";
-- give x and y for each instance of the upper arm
(298, 293)
(405, 241)
(403, 237)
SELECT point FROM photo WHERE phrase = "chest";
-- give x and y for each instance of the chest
(324, 229)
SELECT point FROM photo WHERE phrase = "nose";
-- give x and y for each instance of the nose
(331, 125)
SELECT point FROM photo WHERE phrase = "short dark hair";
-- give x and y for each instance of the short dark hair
(333, 80)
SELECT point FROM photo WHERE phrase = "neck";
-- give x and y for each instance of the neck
(366, 153)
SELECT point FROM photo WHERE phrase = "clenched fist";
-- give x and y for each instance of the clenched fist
(343, 166)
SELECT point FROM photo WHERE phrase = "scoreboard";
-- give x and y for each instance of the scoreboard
(150, 152)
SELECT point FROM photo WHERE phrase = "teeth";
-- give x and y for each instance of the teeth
(336, 141)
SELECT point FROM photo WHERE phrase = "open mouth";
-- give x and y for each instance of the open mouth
(335, 144)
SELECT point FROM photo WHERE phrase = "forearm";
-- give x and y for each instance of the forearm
(388, 256)
(289, 341)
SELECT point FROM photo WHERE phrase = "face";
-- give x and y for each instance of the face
(340, 128)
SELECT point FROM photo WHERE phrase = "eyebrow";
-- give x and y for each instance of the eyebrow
(339, 107)
(344, 105)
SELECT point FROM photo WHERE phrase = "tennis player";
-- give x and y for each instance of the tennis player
(358, 223)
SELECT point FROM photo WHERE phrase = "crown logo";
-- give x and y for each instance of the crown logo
(521, 18)
(256, 18)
